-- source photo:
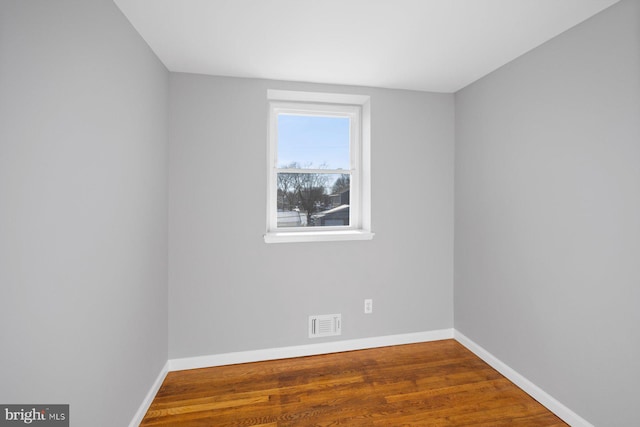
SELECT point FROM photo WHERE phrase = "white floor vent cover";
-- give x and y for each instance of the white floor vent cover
(325, 325)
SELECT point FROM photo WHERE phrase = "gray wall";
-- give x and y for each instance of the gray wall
(229, 291)
(547, 246)
(83, 240)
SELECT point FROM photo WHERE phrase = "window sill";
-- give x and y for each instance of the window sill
(317, 236)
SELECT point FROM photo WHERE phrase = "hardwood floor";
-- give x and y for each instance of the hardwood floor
(438, 383)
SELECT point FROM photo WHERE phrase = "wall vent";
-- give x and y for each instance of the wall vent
(325, 325)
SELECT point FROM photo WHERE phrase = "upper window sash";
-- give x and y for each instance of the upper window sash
(316, 110)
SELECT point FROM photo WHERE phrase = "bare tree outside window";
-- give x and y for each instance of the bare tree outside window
(287, 189)
(342, 184)
(303, 192)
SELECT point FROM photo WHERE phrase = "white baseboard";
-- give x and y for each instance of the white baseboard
(306, 350)
(146, 403)
(566, 414)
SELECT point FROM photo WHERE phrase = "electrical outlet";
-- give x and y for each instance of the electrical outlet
(368, 306)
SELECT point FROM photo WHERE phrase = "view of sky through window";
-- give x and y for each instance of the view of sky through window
(313, 142)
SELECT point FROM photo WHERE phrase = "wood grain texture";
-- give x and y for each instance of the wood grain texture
(432, 384)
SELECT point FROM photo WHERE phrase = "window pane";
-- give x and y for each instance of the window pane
(313, 199)
(313, 142)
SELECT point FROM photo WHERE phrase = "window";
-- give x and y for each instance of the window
(318, 166)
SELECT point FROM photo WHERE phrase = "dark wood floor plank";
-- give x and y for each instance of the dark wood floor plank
(431, 384)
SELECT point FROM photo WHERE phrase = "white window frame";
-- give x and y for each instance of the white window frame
(357, 108)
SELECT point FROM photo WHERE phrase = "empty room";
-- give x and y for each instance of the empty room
(309, 213)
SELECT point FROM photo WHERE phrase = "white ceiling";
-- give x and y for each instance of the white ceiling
(431, 45)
